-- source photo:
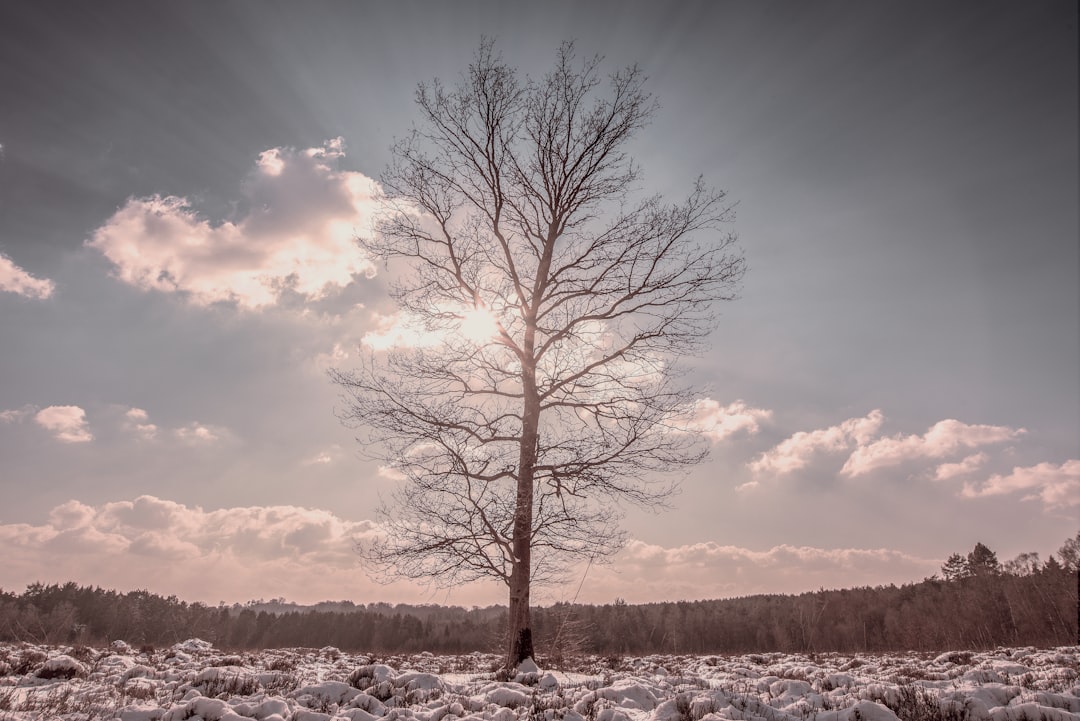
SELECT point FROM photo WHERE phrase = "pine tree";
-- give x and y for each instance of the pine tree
(955, 567)
(982, 562)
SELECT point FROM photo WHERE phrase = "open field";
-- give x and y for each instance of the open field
(193, 680)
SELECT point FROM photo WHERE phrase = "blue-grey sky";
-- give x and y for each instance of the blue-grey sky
(899, 379)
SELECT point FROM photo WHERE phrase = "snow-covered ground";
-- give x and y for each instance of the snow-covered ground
(193, 680)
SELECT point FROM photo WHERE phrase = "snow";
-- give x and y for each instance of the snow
(62, 666)
(193, 680)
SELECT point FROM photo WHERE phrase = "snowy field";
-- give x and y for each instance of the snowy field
(195, 681)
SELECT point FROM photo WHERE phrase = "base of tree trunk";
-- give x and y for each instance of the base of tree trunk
(523, 648)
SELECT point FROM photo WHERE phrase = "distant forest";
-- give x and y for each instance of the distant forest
(975, 603)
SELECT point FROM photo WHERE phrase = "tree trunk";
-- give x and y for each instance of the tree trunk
(520, 642)
(520, 624)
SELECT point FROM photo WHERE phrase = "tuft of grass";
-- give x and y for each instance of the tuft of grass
(228, 685)
(59, 703)
(915, 703)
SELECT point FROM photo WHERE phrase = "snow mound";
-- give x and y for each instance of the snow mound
(193, 645)
(62, 666)
(206, 684)
(325, 693)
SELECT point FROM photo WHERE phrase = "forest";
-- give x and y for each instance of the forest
(975, 603)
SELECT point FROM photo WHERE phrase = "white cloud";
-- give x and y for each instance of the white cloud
(72, 514)
(299, 235)
(797, 451)
(66, 423)
(196, 432)
(967, 466)
(238, 554)
(390, 473)
(398, 330)
(942, 439)
(14, 279)
(1056, 486)
(138, 421)
(869, 453)
(230, 553)
(404, 330)
(718, 422)
(336, 357)
(324, 457)
(17, 415)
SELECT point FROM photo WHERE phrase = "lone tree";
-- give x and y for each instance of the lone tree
(554, 304)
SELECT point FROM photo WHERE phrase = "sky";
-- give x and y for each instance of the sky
(181, 184)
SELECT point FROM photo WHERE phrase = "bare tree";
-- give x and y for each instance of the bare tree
(513, 202)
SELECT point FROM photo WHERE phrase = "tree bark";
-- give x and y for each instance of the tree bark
(520, 623)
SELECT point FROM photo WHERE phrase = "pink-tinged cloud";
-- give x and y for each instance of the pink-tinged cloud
(138, 421)
(299, 235)
(14, 279)
(197, 433)
(232, 554)
(66, 423)
(717, 422)
(797, 451)
(644, 572)
(17, 415)
(1056, 486)
(941, 440)
(309, 555)
(967, 466)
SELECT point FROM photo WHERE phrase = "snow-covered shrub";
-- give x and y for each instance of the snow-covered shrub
(62, 666)
(325, 695)
(364, 677)
(225, 681)
(28, 660)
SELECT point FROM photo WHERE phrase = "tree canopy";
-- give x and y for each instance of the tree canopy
(560, 300)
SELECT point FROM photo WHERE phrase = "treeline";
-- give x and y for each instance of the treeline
(977, 603)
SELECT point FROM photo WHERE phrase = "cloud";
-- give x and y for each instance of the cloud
(66, 423)
(398, 330)
(868, 453)
(390, 473)
(942, 439)
(234, 553)
(14, 279)
(71, 515)
(336, 357)
(644, 572)
(797, 451)
(197, 433)
(717, 422)
(309, 555)
(1056, 486)
(298, 236)
(947, 471)
(17, 415)
(138, 421)
(325, 457)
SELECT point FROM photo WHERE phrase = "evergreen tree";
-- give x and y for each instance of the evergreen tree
(982, 562)
(955, 567)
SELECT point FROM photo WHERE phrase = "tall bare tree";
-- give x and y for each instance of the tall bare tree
(514, 204)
